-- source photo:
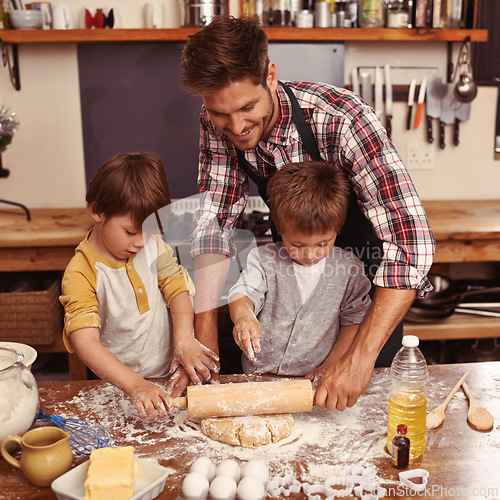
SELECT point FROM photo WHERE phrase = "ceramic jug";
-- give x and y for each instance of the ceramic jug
(45, 454)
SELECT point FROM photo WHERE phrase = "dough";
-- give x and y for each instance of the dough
(248, 431)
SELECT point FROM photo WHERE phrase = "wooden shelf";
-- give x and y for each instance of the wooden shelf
(274, 34)
(457, 326)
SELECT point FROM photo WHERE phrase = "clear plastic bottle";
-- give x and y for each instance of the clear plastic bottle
(407, 400)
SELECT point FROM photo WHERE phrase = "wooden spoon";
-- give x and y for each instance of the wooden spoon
(436, 417)
(480, 418)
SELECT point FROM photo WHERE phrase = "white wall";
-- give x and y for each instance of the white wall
(46, 157)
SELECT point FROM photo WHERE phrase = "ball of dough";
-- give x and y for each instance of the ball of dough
(229, 468)
(257, 469)
(249, 431)
(203, 466)
(251, 488)
(223, 488)
(195, 486)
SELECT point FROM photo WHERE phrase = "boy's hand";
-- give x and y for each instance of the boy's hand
(151, 401)
(198, 360)
(246, 334)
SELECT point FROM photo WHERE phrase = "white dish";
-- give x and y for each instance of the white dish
(28, 352)
(149, 482)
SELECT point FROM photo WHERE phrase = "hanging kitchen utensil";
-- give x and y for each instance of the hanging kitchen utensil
(411, 98)
(388, 100)
(355, 81)
(465, 88)
(366, 88)
(447, 116)
(433, 104)
(461, 115)
(379, 101)
(421, 99)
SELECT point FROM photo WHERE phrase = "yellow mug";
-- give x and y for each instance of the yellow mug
(45, 454)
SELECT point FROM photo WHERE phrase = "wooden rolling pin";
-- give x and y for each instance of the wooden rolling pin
(247, 398)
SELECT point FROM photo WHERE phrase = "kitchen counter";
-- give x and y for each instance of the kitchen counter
(458, 458)
(464, 230)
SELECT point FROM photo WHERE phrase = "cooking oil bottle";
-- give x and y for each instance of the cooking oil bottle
(407, 400)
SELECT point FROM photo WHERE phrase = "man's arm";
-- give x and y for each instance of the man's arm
(210, 273)
(346, 380)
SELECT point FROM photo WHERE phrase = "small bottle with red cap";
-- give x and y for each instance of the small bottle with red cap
(401, 448)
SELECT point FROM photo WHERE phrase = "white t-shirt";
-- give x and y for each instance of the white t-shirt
(307, 277)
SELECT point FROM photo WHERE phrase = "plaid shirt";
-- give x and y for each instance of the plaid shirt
(348, 134)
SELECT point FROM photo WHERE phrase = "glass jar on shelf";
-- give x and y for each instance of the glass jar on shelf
(371, 13)
(398, 14)
(258, 10)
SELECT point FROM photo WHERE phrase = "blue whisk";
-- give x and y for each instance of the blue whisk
(84, 436)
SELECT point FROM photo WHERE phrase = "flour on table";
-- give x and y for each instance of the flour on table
(320, 444)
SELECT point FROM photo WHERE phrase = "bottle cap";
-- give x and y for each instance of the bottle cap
(410, 341)
(402, 429)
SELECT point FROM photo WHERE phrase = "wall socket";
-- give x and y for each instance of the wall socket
(419, 155)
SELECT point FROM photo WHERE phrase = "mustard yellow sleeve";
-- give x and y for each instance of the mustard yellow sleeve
(172, 277)
(81, 308)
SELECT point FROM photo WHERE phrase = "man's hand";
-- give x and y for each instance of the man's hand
(343, 383)
(346, 380)
(198, 361)
(178, 382)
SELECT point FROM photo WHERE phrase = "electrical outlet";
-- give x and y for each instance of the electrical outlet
(419, 155)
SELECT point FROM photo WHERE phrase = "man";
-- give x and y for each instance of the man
(251, 125)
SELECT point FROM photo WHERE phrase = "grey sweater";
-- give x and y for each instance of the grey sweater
(296, 338)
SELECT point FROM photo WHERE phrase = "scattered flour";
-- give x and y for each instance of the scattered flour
(320, 445)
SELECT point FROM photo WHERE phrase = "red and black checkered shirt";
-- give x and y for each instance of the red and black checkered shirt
(348, 134)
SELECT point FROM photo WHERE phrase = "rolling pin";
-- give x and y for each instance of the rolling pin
(247, 398)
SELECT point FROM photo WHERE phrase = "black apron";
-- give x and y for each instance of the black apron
(357, 233)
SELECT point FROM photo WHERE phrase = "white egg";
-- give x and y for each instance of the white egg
(251, 488)
(229, 468)
(256, 468)
(223, 488)
(195, 486)
(203, 466)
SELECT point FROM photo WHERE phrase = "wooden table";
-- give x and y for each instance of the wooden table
(321, 444)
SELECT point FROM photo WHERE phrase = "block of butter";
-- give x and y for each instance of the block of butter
(111, 474)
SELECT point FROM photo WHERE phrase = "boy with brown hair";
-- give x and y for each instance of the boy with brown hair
(118, 286)
(297, 305)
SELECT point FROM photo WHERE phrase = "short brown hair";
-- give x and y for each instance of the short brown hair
(133, 183)
(225, 51)
(310, 196)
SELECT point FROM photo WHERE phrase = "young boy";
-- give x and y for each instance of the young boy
(117, 287)
(297, 305)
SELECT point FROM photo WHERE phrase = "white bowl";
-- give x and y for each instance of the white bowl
(26, 19)
(149, 482)
(27, 351)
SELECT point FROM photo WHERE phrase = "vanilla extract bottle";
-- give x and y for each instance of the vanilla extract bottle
(401, 448)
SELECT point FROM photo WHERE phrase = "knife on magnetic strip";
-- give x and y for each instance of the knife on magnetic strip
(388, 100)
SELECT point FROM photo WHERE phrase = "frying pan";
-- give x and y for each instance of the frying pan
(449, 292)
(443, 300)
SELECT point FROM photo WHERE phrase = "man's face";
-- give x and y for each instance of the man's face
(245, 112)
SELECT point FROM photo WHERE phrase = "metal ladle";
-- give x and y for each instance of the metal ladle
(465, 89)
